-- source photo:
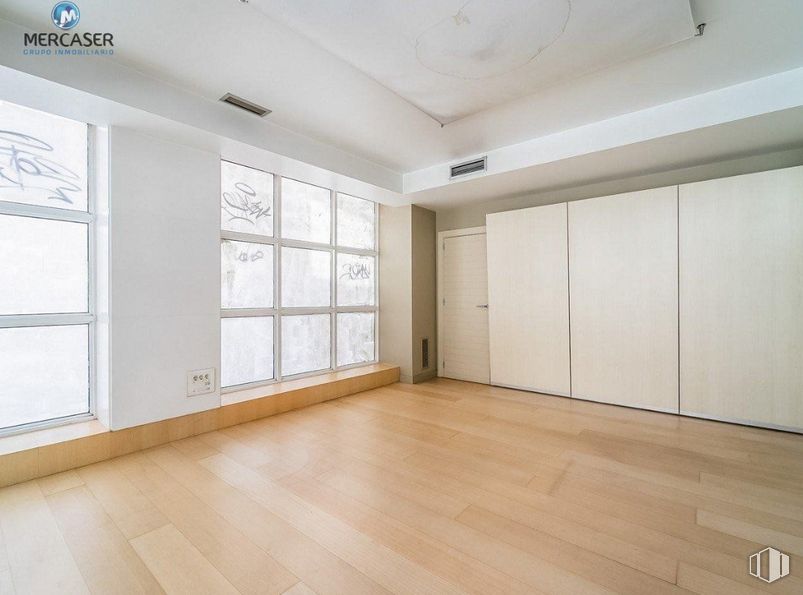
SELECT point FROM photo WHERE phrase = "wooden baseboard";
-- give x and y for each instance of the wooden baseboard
(424, 376)
(45, 452)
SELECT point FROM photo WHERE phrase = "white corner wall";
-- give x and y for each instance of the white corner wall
(407, 294)
(395, 288)
(164, 276)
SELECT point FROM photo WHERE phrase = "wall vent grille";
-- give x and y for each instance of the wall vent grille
(245, 105)
(469, 167)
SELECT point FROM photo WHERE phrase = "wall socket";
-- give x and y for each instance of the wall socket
(201, 382)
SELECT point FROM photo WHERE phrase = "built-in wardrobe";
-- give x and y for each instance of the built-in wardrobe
(686, 299)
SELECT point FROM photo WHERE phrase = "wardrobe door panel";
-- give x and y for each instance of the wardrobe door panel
(528, 299)
(623, 263)
(741, 298)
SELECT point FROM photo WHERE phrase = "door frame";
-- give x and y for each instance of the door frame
(442, 236)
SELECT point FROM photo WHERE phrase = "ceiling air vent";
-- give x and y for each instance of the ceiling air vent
(469, 167)
(245, 104)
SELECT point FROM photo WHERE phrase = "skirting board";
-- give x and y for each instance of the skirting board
(640, 407)
(742, 422)
(532, 390)
(424, 376)
(23, 459)
(681, 413)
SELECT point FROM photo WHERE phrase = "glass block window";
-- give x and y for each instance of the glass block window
(46, 317)
(45, 262)
(247, 350)
(46, 373)
(356, 219)
(306, 212)
(356, 278)
(246, 199)
(44, 159)
(356, 333)
(306, 343)
(306, 278)
(246, 274)
(298, 291)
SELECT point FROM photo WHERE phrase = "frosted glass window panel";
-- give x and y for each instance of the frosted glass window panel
(246, 199)
(355, 338)
(43, 266)
(43, 158)
(246, 275)
(306, 212)
(246, 350)
(355, 222)
(306, 278)
(306, 343)
(355, 280)
(45, 373)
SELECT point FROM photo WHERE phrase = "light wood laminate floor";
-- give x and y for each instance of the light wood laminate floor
(442, 487)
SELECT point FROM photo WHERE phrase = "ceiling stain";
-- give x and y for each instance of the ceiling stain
(493, 46)
(460, 18)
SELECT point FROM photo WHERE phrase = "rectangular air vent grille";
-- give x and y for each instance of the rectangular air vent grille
(424, 354)
(245, 104)
(469, 167)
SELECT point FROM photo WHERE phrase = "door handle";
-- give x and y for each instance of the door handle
(483, 306)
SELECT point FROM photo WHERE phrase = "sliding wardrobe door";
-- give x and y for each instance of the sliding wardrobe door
(528, 299)
(741, 298)
(623, 264)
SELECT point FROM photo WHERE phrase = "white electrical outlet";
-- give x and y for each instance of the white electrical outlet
(200, 382)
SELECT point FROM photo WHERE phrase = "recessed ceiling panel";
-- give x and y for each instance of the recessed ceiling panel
(453, 58)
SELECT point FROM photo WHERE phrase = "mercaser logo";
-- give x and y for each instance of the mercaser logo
(769, 565)
(66, 16)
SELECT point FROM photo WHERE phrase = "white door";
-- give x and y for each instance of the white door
(528, 290)
(623, 265)
(464, 309)
(741, 296)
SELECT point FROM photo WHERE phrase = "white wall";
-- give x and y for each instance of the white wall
(473, 214)
(771, 94)
(424, 294)
(241, 142)
(407, 293)
(165, 276)
(395, 288)
(162, 271)
(110, 81)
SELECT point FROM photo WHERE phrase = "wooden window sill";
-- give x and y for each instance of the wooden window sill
(52, 450)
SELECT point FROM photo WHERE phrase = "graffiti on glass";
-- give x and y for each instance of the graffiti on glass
(25, 165)
(242, 204)
(356, 271)
(246, 256)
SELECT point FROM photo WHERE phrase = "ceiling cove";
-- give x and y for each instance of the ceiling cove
(455, 58)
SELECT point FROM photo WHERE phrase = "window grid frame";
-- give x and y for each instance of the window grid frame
(278, 311)
(56, 319)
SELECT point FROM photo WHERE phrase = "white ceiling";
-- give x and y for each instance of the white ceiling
(454, 58)
(768, 133)
(330, 86)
